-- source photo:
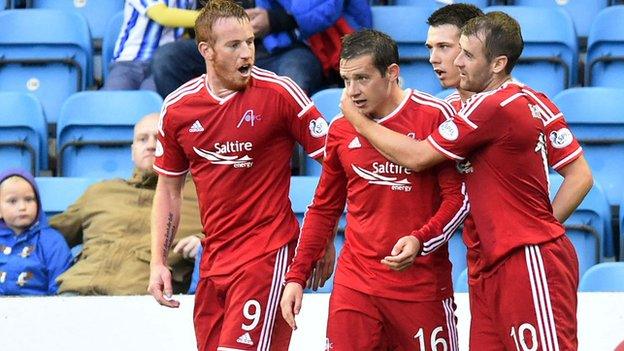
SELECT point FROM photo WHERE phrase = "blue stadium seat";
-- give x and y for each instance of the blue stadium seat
(603, 277)
(407, 25)
(594, 115)
(457, 254)
(581, 11)
(96, 12)
(51, 59)
(57, 193)
(549, 61)
(439, 3)
(110, 39)
(23, 132)
(589, 226)
(444, 93)
(461, 284)
(95, 131)
(605, 49)
(621, 225)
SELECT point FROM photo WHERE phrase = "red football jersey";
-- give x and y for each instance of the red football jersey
(385, 202)
(238, 149)
(509, 136)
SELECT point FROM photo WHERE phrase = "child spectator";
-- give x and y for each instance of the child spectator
(32, 254)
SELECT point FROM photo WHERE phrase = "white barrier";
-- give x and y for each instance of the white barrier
(138, 323)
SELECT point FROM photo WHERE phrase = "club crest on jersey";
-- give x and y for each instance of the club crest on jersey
(318, 127)
(448, 130)
(373, 177)
(249, 117)
(218, 157)
(561, 138)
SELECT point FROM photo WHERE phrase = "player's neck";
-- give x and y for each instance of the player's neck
(395, 98)
(464, 94)
(214, 84)
(497, 81)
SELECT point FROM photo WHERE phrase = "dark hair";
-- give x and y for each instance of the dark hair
(500, 34)
(455, 14)
(379, 45)
(213, 11)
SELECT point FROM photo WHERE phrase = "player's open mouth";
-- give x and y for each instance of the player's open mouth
(359, 103)
(245, 70)
(439, 72)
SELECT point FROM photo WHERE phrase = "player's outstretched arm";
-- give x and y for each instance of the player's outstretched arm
(324, 267)
(165, 219)
(291, 303)
(577, 181)
(398, 148)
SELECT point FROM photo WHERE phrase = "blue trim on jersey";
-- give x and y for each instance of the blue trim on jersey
(124, 39)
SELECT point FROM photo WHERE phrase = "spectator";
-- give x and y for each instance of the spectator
(32, 255)
(146, 26)
(282, 28)
(112, 220)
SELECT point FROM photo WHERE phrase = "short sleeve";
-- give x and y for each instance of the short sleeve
(170, 157)
(563, 147)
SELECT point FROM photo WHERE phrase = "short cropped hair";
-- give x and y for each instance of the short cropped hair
(454, 14)
(211, 13)
(379, 45)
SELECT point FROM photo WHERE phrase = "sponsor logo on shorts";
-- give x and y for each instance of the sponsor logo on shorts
(245, 339)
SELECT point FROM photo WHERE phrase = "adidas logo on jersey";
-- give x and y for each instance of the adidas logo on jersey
(245, 339)
(355, 143)
(196, 127)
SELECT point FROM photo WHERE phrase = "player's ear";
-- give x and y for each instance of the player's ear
(205, 50)
(499, 63)
(393, 72)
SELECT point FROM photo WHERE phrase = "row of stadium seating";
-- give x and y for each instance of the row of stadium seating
(587, 227)
(58, 61)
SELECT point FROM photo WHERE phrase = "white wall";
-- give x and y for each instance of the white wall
(138, 323)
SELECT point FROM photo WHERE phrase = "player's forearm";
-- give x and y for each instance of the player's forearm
(577, 181)
(172, 17)
(396, 147)
(165, 220)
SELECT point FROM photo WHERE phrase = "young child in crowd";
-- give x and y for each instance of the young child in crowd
(32, 254)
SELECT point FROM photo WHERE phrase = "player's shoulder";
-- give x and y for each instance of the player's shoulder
(189, 90)
(271, 83)
(430, 103)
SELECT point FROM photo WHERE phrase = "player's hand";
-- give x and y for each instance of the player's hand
(350, 112)
(403, 253)
(188, 247)
(291, 303)
(160, 286)
(323, 269)
(259, 18)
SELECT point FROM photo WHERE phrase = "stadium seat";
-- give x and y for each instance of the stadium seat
(621, 225)
(51, 59)
(581, 11)
(605, 49)
(407, 25)
(549, 61)
(326, 101)
(95, 131)
(97, 12)
(439, 3)
(57, 193)
(457, 254)
(589, 226)
(461, 284)
(109, 41)
(603, 277)
(594, 115)
(23, 132)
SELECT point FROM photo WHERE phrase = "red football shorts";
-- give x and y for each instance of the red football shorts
(241, 311)
(529, 302)
(361, 322)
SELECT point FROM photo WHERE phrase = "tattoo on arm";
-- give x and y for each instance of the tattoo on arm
(170, 232)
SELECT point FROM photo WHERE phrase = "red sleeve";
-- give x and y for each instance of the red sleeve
(468, 130)
(309, 128)
(170, 157)
(321, 218)
(563, 147)
(452, 211)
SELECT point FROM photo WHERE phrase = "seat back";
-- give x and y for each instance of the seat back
(605, 49)
(52, 62)
(96, 12)
(23, 132)
(407, 25)
(95, 132)
(549, 61)
(589, 226)
(596, 119)
(110, 39)
(57, 193)
(605, 277)
(581, 11)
